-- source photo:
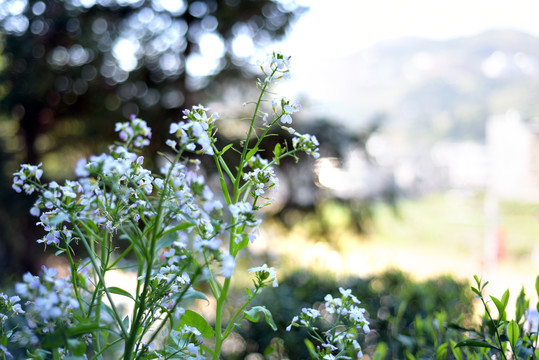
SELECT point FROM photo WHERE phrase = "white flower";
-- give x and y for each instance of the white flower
(228, 265)
(272, 274)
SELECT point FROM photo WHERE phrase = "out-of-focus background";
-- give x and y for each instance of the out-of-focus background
(427, 113)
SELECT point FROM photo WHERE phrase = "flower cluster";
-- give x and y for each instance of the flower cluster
(50, 304)
(173, 231)
(195, 129)
(304, 142)
(275, 67)
(25, 177)
(346, 319)
(9, 307)
(171, 272)
(136, 132)
(286, 107)
(262, 177)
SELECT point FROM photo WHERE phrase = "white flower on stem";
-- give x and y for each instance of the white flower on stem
(171, 143)
(22, 178)
(294, 319)
(307, 143)
(241, 211)
(228, 265)
(265, 273)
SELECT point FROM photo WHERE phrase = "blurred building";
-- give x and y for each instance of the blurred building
(513, 153)
(506, 165)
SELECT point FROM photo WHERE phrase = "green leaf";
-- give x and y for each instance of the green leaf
(499, 306)
(311, 348)
(476, 343)
(166, 241)
(38, 354)
(118, 291)
(476, 291)
(441, 352)
(251, 153)
(193, 294)
(409, 356)
(125, 321)
(521, 305)
(513, 333)
(77, 347)
(456, 351)
(54, 340)
(225, 149)
(505, 298)
(194, 319)
(460, 328)
(254, 316)
(86, 328)
(537, 285)
(249, 293)
(277, 151)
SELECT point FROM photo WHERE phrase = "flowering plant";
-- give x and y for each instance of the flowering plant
(345, 319)
(169, 228)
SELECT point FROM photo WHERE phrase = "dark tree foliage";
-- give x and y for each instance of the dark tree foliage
(71, 69)
(102, 60)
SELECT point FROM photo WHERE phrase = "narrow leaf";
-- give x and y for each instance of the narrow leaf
(456, 351)
(225, 149)
(311, 349)
(251, 153)
(476, 343)
(277, 151)
(193, 294)
(476, 291)
(118, 291)
(505, 299)
(441, 352)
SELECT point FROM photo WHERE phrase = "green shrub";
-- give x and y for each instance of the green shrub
(395, 306)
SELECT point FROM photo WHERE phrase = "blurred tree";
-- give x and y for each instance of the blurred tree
(98, 60)
(70, 69)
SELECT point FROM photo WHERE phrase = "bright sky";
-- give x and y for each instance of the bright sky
(336, 28)
(344, 26)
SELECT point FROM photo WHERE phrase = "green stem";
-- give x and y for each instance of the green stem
(97, 270)
(245, 147)
(224, 188)
(219, 335)
(231, 323)
(498, 338)
(140, 305)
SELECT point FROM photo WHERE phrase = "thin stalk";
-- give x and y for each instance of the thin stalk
(498, 338)
(245, 147)
(140, 306)
(115, 311)
(219, 338)
(231, 325)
